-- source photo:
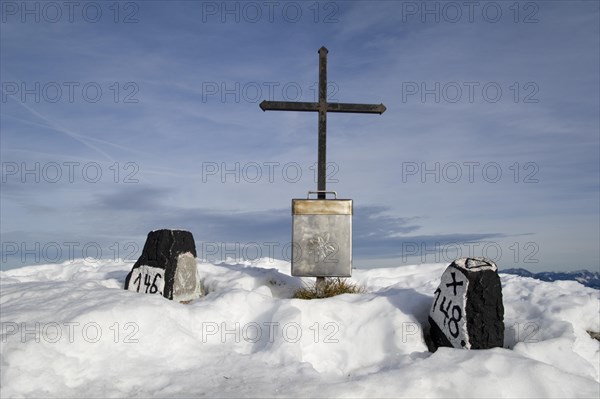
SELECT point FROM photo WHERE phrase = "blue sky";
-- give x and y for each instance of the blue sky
(118, 118)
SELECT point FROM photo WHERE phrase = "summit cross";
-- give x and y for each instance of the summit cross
(322, 107)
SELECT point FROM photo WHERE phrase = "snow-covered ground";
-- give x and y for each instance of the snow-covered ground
(72, 331)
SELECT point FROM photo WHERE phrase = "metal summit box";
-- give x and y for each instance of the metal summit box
(322, 236)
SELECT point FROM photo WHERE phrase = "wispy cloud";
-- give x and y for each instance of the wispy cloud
(175, 57)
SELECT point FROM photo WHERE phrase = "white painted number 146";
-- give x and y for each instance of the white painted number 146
(150, 284)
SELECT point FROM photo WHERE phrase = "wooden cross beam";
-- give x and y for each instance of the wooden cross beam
(322, 107)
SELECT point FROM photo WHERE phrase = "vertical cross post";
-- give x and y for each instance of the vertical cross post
(322, 153)
(322, 107)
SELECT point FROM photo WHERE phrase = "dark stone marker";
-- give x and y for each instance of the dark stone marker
(467, 310)
(167, 266)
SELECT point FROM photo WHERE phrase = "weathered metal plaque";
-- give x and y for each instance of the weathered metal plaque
(322, 237)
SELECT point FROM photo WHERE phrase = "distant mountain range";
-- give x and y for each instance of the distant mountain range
(585, 277)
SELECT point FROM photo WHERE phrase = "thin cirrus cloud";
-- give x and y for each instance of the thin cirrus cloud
(176, 54)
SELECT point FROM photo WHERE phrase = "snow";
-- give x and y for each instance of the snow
(71, 330)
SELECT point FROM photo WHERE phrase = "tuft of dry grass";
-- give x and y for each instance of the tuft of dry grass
(332, 287)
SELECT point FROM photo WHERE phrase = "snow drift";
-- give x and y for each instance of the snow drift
(71, 330)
